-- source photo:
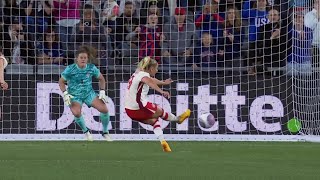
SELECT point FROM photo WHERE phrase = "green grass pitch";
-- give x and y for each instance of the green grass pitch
(146, 161)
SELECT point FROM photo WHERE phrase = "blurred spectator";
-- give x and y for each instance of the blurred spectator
(16, 45)
(257, 16)
(38, 16)
(89, 31)
(50, 51)
(179, 39)
(299, 61)
(151, 8)
(269, 39)
(159, 7)
(126, 24)
(209, 20)
(11, 10)
(285, 9)
(311, 20)
(232, 34)
(98, 8)
(110, 13)
(207, 54)
(135, 3)
(10, 34)
(150, 36)
(67, 16)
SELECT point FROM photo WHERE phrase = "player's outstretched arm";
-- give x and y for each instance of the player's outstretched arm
(150, 82)
(162, 83)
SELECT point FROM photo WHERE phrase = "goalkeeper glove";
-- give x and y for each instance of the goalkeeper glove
(102, 96)
(67, 98)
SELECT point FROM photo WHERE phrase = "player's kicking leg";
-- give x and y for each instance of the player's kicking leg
(159, 112)
(104, 117)
(78, 118)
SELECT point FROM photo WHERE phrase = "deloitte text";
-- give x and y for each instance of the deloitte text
(231, 101)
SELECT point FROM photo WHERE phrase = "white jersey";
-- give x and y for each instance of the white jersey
(5, 62)
(137, 91)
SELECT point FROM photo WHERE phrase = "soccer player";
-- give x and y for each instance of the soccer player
(3, 65)
(138, 107)
(78, 76)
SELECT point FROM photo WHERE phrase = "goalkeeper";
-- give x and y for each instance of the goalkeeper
(78, 76)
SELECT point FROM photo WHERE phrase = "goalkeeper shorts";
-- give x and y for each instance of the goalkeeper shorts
(87, 100)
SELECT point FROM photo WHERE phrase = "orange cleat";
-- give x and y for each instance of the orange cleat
(165, 146)
(184, 116)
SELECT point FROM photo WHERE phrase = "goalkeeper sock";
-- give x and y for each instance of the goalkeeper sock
(158, 131)
(168, 116)
(80, 121)
(105, 118)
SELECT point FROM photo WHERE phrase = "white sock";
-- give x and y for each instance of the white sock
(158, 131)
(168, 116)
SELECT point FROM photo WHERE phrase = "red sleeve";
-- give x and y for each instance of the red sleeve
(218, 18)
(199, 20)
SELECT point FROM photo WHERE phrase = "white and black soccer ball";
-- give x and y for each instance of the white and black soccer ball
(206, 120)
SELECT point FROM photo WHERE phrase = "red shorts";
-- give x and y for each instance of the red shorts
(142, 114)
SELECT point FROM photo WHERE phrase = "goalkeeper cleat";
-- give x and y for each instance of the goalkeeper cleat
(107, 137)
(89, 136)
(165, 146)
(184, 116)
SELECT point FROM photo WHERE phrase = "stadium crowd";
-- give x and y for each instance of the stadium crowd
(254, 34)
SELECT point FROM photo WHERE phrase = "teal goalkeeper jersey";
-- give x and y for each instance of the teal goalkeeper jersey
(80, 80)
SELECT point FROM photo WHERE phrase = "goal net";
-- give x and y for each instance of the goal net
(252, 64)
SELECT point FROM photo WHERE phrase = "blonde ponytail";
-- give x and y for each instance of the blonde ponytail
(146, 63)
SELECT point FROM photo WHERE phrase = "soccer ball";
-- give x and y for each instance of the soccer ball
(206, 120)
